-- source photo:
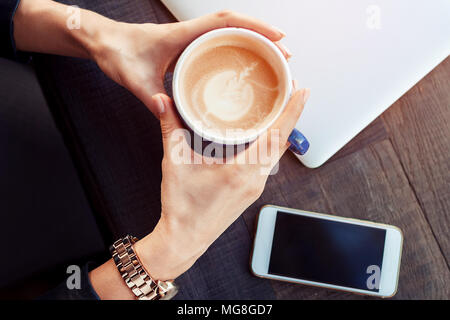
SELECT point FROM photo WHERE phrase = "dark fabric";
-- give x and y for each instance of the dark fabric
(7, 10)
(85, 292)
(118, 143)
(7, 43)
(43, 207)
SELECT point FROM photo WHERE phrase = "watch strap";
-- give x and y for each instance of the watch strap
(134, 274)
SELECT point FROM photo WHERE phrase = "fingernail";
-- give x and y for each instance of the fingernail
(160, 104)
(299, 143)
(288, 52)
(295, 84)
(306, 95)
(280, 31)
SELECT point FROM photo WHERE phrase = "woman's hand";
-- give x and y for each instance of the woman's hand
(137, 56)
(200, 201)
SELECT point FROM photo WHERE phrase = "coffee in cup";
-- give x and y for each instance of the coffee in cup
(230, 85)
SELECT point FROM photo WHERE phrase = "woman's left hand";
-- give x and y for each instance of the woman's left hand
(137, 56)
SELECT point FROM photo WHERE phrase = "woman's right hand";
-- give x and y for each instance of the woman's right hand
(200, 201)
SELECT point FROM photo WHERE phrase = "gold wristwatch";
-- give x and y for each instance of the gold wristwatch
(134, 274)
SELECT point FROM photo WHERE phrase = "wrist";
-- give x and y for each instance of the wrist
(166, 253)
(93, 33)
(51, 27)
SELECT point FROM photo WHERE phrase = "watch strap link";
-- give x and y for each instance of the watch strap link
(134, 275)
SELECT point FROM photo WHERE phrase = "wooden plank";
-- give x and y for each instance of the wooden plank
(373, 133)
(420, 132)
(368, 184)
(372, 185)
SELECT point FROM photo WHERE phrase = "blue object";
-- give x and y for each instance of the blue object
(299, 143)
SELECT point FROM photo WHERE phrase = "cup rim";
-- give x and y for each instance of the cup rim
(192, 123)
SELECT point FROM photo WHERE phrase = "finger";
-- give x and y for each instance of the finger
(284, 50)
(168, 117)
(147, 95)
(288, 119)
(227, 18)
(283, 149)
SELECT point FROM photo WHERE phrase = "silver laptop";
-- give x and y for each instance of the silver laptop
(357, 56)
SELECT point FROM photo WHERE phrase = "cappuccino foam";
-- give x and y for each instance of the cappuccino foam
(228, 84)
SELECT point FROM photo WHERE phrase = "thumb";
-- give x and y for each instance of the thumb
(147, 94)
(168, 116)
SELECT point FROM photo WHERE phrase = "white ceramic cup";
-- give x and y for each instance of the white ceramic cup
(279, 63)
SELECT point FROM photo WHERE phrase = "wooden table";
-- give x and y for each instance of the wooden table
(396, 171)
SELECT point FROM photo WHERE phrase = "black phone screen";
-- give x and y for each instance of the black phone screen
(326, 251)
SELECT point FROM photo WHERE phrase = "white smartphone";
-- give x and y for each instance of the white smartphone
(327, 251)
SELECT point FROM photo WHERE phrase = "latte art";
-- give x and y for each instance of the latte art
(226, 85)
(228, 96)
